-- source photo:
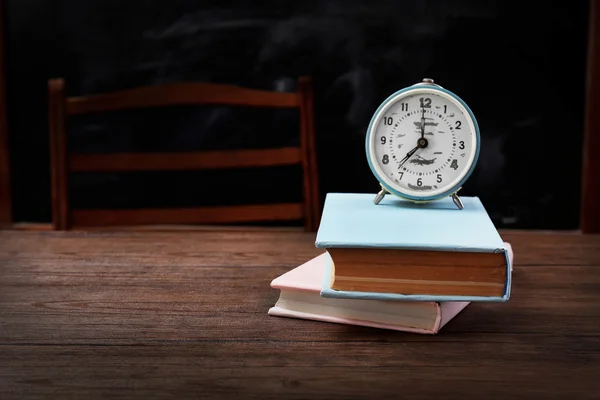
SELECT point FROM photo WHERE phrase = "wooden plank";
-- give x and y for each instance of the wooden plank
(184, 314)
(279, 369)
(200, 215)
(5, 181)
(531, 248)
(190, 93)
(183, 161)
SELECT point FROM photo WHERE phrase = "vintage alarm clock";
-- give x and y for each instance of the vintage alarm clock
(422, 144)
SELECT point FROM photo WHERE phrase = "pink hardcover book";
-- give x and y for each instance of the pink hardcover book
(300, 298)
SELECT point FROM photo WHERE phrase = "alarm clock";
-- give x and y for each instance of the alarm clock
(422, 144)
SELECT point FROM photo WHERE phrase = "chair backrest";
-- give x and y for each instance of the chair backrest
(64, 162)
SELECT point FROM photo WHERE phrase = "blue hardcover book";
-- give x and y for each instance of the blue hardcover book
(406, 251)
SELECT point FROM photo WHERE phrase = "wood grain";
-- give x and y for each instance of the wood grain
(183, 315)
(590, 195)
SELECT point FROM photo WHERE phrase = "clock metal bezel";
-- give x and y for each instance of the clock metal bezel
(385, 182)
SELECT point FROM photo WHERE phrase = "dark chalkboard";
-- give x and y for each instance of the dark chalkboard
(519, 65)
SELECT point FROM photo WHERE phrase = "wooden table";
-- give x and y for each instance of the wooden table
(184, 315)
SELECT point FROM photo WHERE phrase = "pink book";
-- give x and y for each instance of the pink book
(300, 298)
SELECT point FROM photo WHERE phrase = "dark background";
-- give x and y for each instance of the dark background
(519, 65)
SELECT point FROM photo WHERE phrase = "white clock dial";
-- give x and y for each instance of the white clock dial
(423, 142)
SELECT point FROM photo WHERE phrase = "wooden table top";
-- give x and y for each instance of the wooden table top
(184, 315)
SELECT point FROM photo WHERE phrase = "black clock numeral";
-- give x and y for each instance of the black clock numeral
(439, 178)
(461, 145)
(458, 124)
(425, 102)
(454, 164)
(385, 159)
(388, 120)
(419, 182)
(404, 106)
(383, 140)
(401, 175)
(445, 108)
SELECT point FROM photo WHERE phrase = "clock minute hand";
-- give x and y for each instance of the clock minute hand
(408, 155)
(422, 122)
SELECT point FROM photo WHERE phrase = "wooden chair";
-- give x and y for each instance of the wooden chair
(63, 162)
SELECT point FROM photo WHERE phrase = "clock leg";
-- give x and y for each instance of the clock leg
(380, 196)
(457, 201)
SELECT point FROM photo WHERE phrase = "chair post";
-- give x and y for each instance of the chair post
(589, 219)
(5, 179)
(58, 154)
(309, 154)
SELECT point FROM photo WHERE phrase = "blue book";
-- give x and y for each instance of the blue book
(400, 250)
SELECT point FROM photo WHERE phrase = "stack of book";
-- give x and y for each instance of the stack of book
(397, 265)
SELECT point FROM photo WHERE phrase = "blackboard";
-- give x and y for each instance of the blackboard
(519, 65)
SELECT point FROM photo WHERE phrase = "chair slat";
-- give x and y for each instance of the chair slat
(183, 161)
(204, 215)
(180, 94)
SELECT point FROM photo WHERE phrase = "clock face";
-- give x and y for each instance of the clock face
(423, 143)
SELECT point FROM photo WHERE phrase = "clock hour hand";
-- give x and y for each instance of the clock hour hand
(408, 155)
